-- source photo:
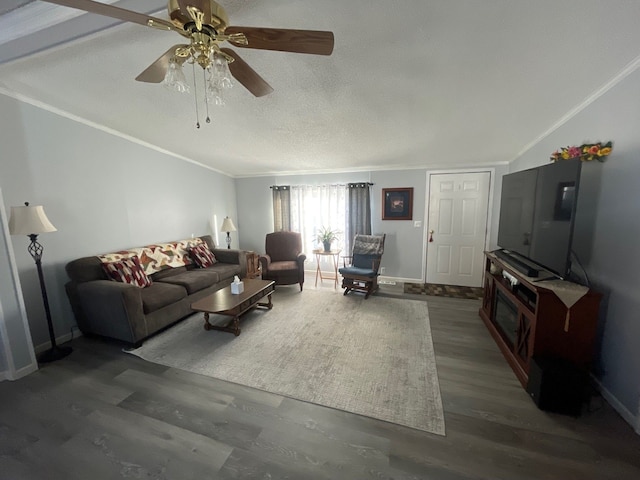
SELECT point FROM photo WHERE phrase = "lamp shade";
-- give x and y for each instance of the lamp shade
(28, 220)
(227, 225)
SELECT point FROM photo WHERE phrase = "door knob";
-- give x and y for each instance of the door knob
(430, 236)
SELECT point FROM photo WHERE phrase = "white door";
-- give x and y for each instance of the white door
(456, 228)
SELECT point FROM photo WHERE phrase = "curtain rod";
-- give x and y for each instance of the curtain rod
(323, 185)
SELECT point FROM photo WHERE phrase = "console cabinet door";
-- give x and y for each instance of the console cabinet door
(523, 349)
(488, 294)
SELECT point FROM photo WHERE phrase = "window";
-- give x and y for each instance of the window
(308, 208)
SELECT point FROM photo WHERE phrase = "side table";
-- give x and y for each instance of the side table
(334, 254)
(253, 265)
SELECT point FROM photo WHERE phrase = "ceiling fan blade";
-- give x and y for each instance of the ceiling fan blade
(155, 72)
(247, 76)
(116, 12)
(284, 40)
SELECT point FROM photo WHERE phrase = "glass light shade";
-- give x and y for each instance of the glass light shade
(219, 74)
(227, 225)
(29, 220)
(174, 79)
(214, 94)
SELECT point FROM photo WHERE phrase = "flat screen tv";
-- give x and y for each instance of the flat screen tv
(537, 215)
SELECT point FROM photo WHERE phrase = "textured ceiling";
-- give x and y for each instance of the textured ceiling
(411, 83)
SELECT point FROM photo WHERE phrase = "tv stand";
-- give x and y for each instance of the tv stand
(516, 262)
(529, 319)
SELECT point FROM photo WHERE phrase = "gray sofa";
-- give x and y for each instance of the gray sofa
(130, 313)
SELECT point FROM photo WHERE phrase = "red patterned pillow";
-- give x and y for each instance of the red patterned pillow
(202, 255)
(127, 270)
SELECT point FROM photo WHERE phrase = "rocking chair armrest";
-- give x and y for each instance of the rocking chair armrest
(375, 264)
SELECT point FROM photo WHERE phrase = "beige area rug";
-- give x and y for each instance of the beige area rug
(372, 357)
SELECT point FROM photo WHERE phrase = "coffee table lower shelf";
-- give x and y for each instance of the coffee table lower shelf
(223, 302)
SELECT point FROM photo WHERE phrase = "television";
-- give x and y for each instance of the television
(537, 217)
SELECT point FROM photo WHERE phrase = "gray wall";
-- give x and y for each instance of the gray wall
(403, 241)
(615, 259)
(102, 192)
(405, 255)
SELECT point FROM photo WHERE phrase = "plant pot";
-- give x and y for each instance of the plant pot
(327, 246)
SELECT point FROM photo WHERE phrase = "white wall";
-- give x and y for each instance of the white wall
(102, 192)
(615, 259)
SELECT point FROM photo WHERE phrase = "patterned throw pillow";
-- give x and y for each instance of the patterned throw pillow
(202, 256)
(127, 270)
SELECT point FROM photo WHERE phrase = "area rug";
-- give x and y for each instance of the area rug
(371, 357)
(439, 290)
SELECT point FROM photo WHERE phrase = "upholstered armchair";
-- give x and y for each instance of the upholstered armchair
(283, 261)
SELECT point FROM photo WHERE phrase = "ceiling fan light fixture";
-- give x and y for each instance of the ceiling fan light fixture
(175, 79)
(220, 70)
(218, 78)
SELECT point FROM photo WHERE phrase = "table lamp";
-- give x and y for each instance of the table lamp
(228, 226)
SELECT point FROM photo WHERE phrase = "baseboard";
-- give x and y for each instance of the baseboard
(630, 418)
(59, 340)
(309, 274)
(398, 279)
(23, 372)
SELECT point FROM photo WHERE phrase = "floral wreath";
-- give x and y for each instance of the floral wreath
(586, 152)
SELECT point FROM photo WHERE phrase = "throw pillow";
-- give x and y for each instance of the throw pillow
(127, 270)
(202, 256)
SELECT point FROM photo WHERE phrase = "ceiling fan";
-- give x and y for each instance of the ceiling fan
(205, 25)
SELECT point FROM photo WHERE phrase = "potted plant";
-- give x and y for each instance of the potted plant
(326, 236)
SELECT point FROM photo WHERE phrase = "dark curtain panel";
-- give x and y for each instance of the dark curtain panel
(359, 217)
(281, 208)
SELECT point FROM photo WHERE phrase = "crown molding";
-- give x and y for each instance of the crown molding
(34, 17)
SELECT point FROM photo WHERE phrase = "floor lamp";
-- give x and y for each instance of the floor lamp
(228, 226)
(32, 221)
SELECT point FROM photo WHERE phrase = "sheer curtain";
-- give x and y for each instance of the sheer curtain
(308, 208)
(314, 207)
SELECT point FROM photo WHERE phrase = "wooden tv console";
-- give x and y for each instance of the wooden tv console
(530, 318)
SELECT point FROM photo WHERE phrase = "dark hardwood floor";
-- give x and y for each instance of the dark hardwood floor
(103, 414)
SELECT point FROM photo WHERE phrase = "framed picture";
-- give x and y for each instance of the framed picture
(397, 203)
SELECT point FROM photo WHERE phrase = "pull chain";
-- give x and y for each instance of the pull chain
(195, 94)
(206, 97)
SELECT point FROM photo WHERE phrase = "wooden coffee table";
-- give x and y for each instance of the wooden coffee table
(223, 302)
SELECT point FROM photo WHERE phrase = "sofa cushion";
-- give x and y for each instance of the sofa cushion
(226, 271)
(202, 256)
(284, 265)
(193, 280)
(169, 272)
(161, 294)
(127, 270)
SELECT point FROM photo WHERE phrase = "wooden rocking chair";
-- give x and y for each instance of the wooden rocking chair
(362, 272)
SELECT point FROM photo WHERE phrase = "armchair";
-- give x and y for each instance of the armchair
(283, 261)
(362, 273)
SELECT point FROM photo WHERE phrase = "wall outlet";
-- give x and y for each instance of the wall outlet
(382, 269)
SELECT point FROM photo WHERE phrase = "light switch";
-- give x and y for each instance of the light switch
(417, 223)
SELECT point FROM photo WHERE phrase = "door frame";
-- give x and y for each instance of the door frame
(425, 223)
(13, 371)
